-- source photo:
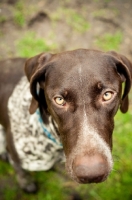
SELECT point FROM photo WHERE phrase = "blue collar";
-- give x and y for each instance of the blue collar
(46, 132)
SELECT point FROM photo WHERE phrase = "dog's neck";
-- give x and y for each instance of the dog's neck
(50, 129)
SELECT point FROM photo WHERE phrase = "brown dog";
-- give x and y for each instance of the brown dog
(80, 91)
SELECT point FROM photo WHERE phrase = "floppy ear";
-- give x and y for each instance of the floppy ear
(124, 69)
(34, 70)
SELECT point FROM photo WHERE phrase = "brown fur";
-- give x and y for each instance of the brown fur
(58, 74)
(85, 123)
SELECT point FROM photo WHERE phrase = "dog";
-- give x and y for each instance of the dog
(62, 111)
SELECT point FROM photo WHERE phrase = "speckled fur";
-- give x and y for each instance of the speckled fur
(35, 150)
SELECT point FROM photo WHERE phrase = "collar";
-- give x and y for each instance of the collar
(46, 131)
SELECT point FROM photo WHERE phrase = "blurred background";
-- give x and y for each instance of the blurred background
(28, 27)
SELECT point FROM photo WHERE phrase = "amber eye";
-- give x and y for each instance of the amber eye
(107, 96)
(60, 101)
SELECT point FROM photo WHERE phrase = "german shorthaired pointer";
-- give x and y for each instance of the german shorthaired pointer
(75, 96)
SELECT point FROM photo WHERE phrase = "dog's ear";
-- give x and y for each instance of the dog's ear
(35, 69)
(124, 69)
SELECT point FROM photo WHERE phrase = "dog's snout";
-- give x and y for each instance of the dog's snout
(90, 169)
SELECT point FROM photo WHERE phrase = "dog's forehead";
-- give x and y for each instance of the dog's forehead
(88, 60)
(84, 63)
(81, 69)
(83, 56)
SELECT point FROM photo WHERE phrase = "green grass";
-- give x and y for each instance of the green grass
(109, 41)
(30, 45)
(19, 14)
(104, 13)
(22, 13)
(50, 185)
(3, 19)
(72, 18)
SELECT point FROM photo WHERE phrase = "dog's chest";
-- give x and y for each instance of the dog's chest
(36, 151)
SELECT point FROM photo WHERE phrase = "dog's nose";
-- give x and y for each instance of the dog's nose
(90, 169)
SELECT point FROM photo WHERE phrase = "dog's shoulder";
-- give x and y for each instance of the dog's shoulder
(36, 151)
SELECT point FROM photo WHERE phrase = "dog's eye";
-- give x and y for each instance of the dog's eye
(107, 96)
(60, 101)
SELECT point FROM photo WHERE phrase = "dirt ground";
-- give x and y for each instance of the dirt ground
(103, 16)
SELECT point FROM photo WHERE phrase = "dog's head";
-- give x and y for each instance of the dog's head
(82, 91)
